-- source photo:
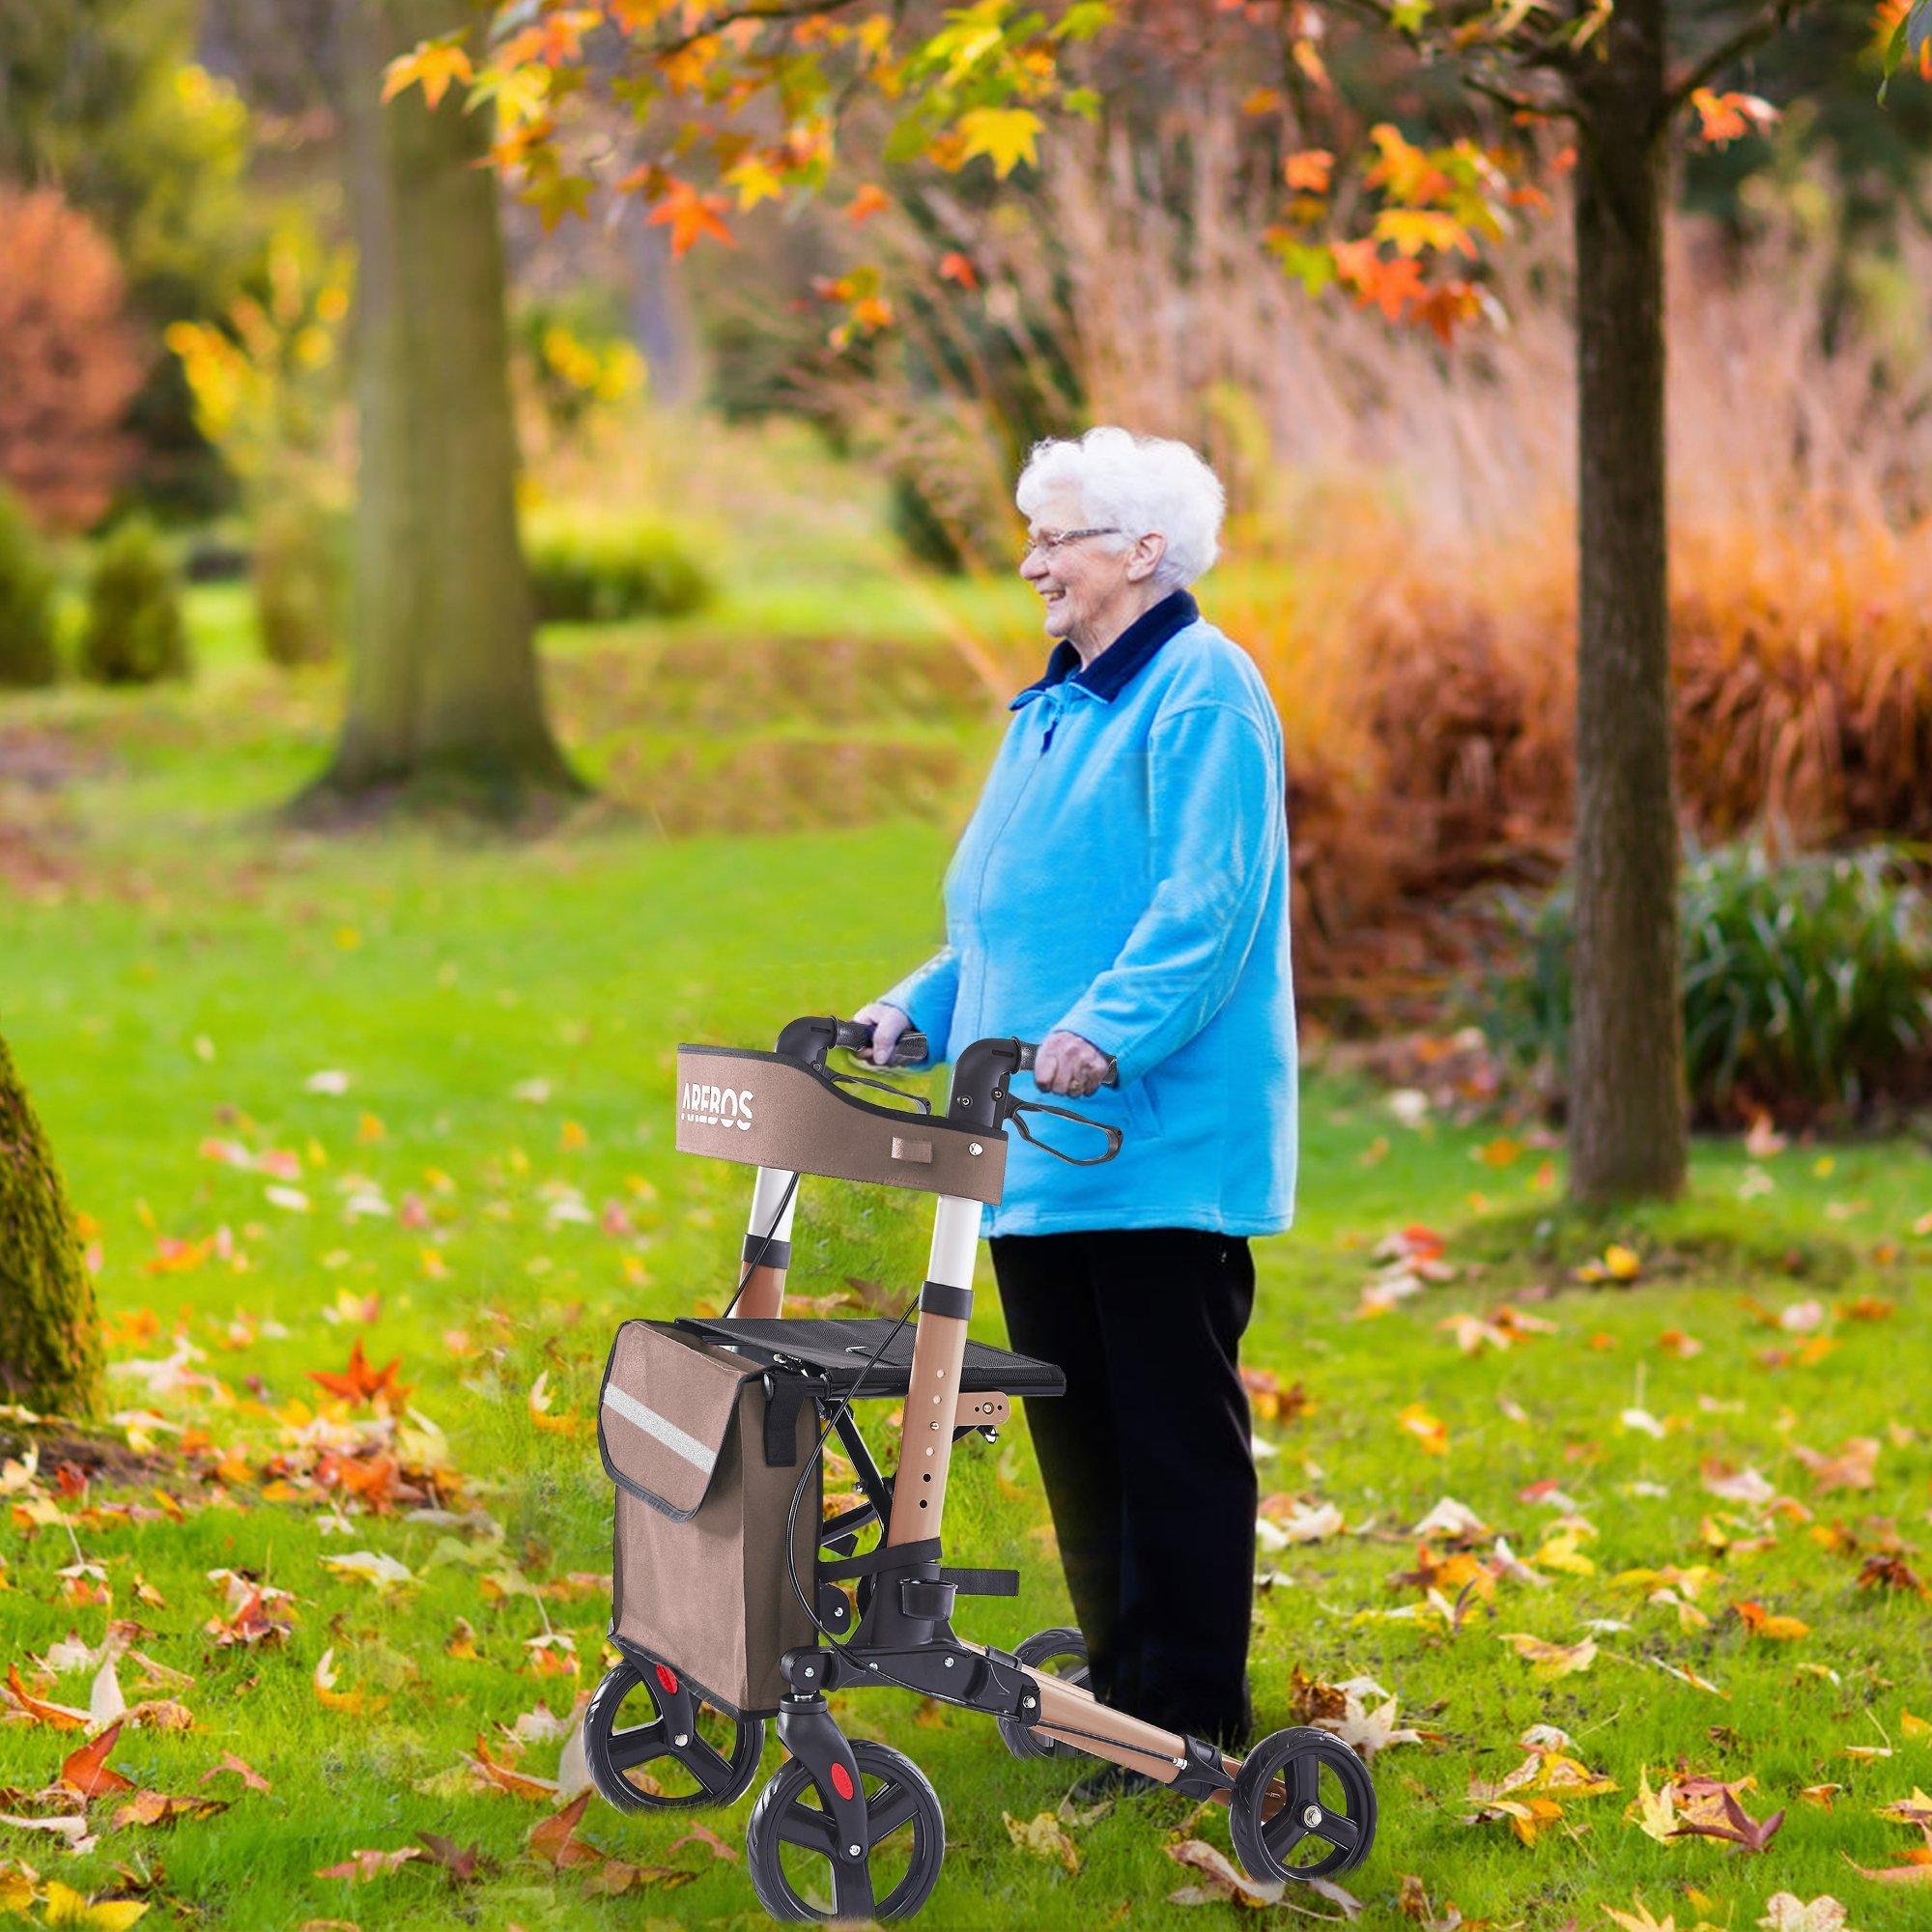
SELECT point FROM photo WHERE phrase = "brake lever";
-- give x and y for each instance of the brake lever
(920, 1102)
(1016, 1108)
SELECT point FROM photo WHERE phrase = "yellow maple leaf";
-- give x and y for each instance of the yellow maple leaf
(1415, 229)
(431, 64)
(1914, 1810)
(754, 181)
(1561, 1553)
(1043, 1836)
(1642, 1920)
(1550, 1659)
(68, 1906)
(1428, 1430)
(1653, 1812)
(1005, 135)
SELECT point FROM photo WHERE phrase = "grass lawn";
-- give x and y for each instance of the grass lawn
(484, 1185)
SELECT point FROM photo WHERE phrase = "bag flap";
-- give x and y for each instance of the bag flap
(666, 1410)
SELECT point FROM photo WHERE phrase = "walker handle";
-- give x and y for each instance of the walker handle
(857, 1035)
(1030, 1051)
(981, 1097)
(812, 1039)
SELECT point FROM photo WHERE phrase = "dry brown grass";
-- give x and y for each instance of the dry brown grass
(1424, 505)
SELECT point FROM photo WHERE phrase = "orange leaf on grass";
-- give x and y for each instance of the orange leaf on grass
(540, 1400)
(1761, 1623)
(62, 1717)
(86, 1771)
(508, 1777)
(704, 1835)
(350, 1703)
(162, 1807)
(554, 1841)
(358, 1383)
(242, 1769)
(360, 1866)
(1918, 1872)
(1429, 1430)
(1855, 1466)
(252, 1624)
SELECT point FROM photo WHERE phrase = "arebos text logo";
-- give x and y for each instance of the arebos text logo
(716, 1106)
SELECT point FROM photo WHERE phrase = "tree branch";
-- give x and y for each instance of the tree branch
(797, 10)
(1520, 103)
(1771, 21)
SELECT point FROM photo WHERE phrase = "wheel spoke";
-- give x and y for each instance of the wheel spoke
(1340, 1832)
(632, 1747)
(1306, 1782)
(702, 1759)
(1282, 1832)
(851, 1889)
(887, 1809)
(812, 1830)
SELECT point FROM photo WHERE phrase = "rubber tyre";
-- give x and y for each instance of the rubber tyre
(1039, 1649)
(604, 1751)
(1286, 1751)
(792, 1783)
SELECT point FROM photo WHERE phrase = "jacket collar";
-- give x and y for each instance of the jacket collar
(1115, 667)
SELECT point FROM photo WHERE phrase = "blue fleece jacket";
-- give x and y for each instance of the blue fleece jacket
(1124, 876)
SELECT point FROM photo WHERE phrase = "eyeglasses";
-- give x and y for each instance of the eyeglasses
(1050, 541)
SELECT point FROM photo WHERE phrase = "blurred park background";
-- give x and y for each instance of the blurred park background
(481, 601)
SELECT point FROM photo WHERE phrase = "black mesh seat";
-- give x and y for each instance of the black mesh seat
(839, 1352)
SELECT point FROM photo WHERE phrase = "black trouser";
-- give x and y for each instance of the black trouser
(1147, 1458)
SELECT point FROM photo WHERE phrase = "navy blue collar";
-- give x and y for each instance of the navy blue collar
(1115, 667)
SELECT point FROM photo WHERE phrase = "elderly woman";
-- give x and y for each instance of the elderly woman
(1121, 894)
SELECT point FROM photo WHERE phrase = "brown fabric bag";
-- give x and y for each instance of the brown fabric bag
(700, 1580)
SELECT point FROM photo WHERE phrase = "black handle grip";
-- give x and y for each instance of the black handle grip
(812, 1039)
(1030, 1051)
(856, 1036)
(979, 1077)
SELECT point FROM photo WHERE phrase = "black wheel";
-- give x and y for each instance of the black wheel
(799, 1869)
(652, 1745)
(1303, 1808)
(1061, 1653)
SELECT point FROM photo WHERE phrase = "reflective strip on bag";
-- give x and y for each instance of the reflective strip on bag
(662, 1428)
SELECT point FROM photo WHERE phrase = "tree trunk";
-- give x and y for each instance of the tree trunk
(49, 1332)
(1626, 1102)
(445, 701)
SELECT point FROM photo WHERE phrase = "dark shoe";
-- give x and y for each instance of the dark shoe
(1108, 1781)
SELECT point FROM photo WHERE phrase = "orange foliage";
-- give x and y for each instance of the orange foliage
(69, 365)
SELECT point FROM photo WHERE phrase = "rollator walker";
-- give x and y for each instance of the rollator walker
(729, 1581)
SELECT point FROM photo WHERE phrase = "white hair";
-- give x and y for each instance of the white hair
(1140, 485)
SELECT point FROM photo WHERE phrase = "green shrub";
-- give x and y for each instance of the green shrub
(134, 633)
(1807, 983)
(26, 601)
(598, 570)
(300, 572)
